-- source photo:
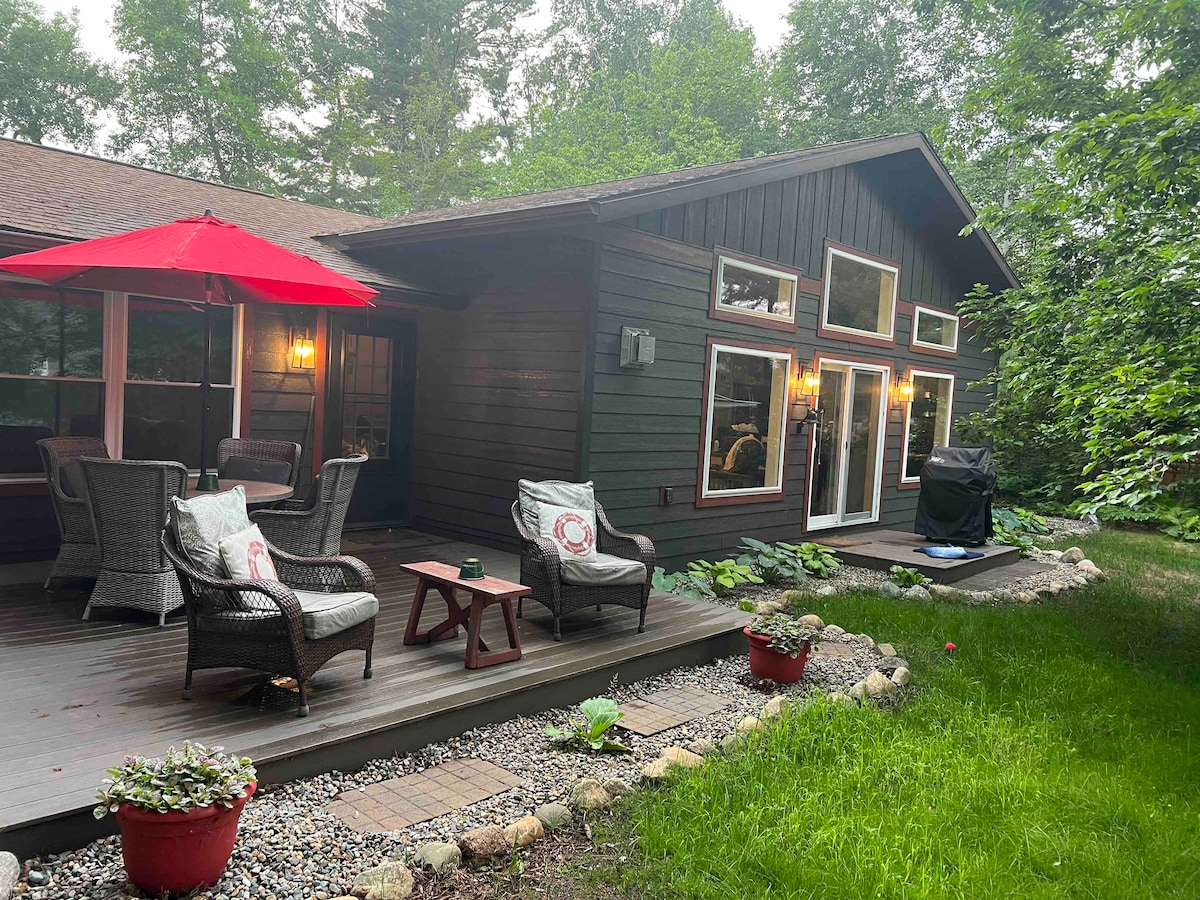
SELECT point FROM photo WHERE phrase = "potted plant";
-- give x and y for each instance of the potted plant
(779, 647)
(178, 815)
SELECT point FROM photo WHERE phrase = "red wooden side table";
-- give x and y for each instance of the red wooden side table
(484, 592)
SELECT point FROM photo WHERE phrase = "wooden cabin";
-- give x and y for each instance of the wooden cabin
(767, 347)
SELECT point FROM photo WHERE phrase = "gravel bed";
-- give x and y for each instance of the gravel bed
(1061, 527)
(289, 848)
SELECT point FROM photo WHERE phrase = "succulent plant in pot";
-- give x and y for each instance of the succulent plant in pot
(178, 815)
(779, 647)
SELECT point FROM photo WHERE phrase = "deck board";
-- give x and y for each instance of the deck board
(77, 696)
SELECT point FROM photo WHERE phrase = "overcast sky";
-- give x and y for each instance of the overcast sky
(764, 16)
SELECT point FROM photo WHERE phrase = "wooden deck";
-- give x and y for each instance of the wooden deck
(882, 549)
(76, 696)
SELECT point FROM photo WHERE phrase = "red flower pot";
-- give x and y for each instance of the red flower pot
(767, 664)
(177, 852)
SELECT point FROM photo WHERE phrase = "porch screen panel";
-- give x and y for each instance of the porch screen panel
(164, 367)
(51, 370)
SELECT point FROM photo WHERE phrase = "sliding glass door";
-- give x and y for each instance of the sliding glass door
(847, 463)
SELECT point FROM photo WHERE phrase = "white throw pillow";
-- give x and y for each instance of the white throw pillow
(572, 530)
(246, 557)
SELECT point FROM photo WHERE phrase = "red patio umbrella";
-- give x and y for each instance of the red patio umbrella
(202, 258)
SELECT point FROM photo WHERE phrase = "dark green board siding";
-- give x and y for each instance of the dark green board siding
(281, 398)
(500, 388)
(645, 424)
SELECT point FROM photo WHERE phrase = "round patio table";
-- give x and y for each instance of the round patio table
(258, 493)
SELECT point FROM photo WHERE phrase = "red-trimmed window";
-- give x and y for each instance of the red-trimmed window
(860, 295)
(934, 330)
(745, 423)
(928, 422)
(756, 292)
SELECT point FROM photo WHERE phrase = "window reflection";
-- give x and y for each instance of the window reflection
(366, 395)
(860, 296)
(752, 290)
(747, 397)
(166, 341)
(928, 420)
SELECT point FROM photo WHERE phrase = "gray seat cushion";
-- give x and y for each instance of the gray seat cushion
(605, 570)
(244, 468)
(555, 493)
(328, 614)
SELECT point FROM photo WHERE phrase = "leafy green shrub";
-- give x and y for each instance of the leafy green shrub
(906, 576)
(774, 563)
(817, 559)
(600, 714)
(194, 776)
(1015, 527)
(687, 584)
(725, 575)
(788, 635)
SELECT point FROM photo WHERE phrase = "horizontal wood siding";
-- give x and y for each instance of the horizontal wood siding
(282, 398)
(645, 424)
(500, 388)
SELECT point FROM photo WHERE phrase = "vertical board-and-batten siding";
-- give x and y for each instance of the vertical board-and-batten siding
(646, 424)
(500, 389)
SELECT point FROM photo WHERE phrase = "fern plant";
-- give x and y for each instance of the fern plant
(600, 714)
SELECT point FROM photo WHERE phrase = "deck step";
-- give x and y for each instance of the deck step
(881, 549)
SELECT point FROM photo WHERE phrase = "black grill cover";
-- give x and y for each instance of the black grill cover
(956, 495)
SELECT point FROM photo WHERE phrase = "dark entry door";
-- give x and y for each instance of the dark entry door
(369, 409)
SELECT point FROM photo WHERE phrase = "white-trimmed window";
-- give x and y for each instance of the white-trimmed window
(860, 295)
(928, 422)
(123, 368)
(935, 330)
(755, 291)
(745, 421)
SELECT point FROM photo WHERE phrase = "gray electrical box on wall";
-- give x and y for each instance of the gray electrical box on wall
(637, 348)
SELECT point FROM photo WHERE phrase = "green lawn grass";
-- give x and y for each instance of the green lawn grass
(1055, 754)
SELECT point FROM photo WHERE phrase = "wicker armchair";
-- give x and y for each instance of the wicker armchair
(129, 500)
(261, 625)
(78, 552)
(236, 458)
(313, 526)
(541, 569)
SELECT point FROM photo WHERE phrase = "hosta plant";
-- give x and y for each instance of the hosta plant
(185, 778)
(906, 576)
(725, 575)
(774, 563)
(687, 584)
(600, 714)
(788, 635)
(817, 559)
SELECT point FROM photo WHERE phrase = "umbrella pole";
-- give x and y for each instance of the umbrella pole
(207, 482)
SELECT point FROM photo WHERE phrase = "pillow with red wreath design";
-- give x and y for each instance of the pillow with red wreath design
(572, 530)
(246, 557)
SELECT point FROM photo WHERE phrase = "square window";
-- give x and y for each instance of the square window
(860, 295)
(746, 422)
(760, 294)
(935, 330)
(928, 422)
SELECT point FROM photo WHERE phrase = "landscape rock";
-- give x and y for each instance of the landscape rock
(1057, 554)
(588, 793)
(618, 787)
(487, 842)
(656, 769)
(891, 663)
(729, 743)
(843, 699)
(775, 707)
(1027, 596)
(859, 691)
(749, 724)
(891, 589)
(554, 815)
(438, 857)
(832, 631)
(794, 596)
(678, 756)
(878, 684)
(945, 592)
(916, 592)
(10, 871)
(901, 677)
(886, 649)
(812, 620)
(1072, 555)
(1086, 564)
(1058, 587)
(703, 747)
(825, 590)
(867, 639)
(389, 881)
(527, 830)
(1003, 596)
(982, 597)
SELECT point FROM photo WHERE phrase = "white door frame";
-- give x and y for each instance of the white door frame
(839, 518)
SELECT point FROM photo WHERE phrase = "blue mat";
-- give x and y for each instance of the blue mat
(949, 552)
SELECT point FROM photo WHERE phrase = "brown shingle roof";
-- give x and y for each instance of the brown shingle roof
(63, 194)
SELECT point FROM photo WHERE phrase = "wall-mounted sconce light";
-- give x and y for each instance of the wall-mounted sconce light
(902, 390)
(804, 407)
(303, 354)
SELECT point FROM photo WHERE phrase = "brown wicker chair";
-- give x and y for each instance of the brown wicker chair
(313, 526)
(237, 458)
(540, 570)
(129, 501)
(260, 624)
(78, 552)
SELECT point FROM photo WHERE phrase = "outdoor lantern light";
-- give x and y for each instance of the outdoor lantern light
(804, 410)
(304, 351)
(904, 389)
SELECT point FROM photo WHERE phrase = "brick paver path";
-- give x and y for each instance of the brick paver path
(668, 709)
(400, 802)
